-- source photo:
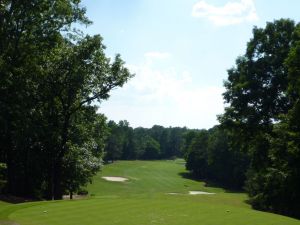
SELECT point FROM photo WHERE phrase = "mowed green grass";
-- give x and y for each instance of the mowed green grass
(144, 200)
(146, 178)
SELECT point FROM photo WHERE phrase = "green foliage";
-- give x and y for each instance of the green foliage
(114, 143)
(276, 187)
(188, 138)
(196, 159)
(258, 139)
(152, 149)
(227, 165)
(2, 176)
(263, 115)
(50, 75)
(256, 87)
(85, 150)
(158, 142)
(280, 187)
(79, 166)
(210, 156)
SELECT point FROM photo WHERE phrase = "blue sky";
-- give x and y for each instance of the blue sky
(179, 51)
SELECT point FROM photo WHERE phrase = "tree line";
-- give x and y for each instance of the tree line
(257, 144)
(210, 156)
(207, 152)
(52, 140)
(158, 142)
(51, 73)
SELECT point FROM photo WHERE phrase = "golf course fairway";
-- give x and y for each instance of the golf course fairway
(156, 192)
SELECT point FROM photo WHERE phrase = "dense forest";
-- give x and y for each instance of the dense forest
(256, 146)
(53, 141)
(51, 74)
(158, 142)
(207, 152)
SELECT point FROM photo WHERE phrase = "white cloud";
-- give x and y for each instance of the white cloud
(231, 13)
(165, 97)
(157, 55)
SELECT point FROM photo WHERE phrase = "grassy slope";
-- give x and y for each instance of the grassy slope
(143, 201)
(145, 178)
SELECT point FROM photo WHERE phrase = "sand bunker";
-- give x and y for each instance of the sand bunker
(116, 179)
(200, 193)
(192, 193)
(67, 197)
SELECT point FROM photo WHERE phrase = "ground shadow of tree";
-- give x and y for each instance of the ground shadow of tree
(15, 200)
(7, 222)
(210, 183)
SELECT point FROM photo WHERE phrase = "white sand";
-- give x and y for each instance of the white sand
(67, 197)
(200, 193)
(173, 193)
(116, 179)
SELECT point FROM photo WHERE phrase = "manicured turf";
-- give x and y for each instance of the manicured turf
(143, 200)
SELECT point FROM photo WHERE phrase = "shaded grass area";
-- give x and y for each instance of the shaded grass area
(210, 183)
(143, 200)
(14, 199)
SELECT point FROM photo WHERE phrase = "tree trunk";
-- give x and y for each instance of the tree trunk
(52, 180)
(58, 192)
(56, 173)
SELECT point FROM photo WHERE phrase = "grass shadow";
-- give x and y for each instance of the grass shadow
(8, 222)
(15, 200)
(189, 176)
(209, 183)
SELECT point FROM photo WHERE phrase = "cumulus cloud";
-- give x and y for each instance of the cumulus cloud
(157, 55)
(158, 85)
(231, 13)
(166, 97)
(176, 89)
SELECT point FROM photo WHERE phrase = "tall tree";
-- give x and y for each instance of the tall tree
(262, 95)
(227, 165)
(28, 33)
(281, 193)
(152, 149)
(114, 143)
(196, 157)
(49, 75)
(256, 89)
(77, 74)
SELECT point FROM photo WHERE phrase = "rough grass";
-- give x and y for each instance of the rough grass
(143, 200)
